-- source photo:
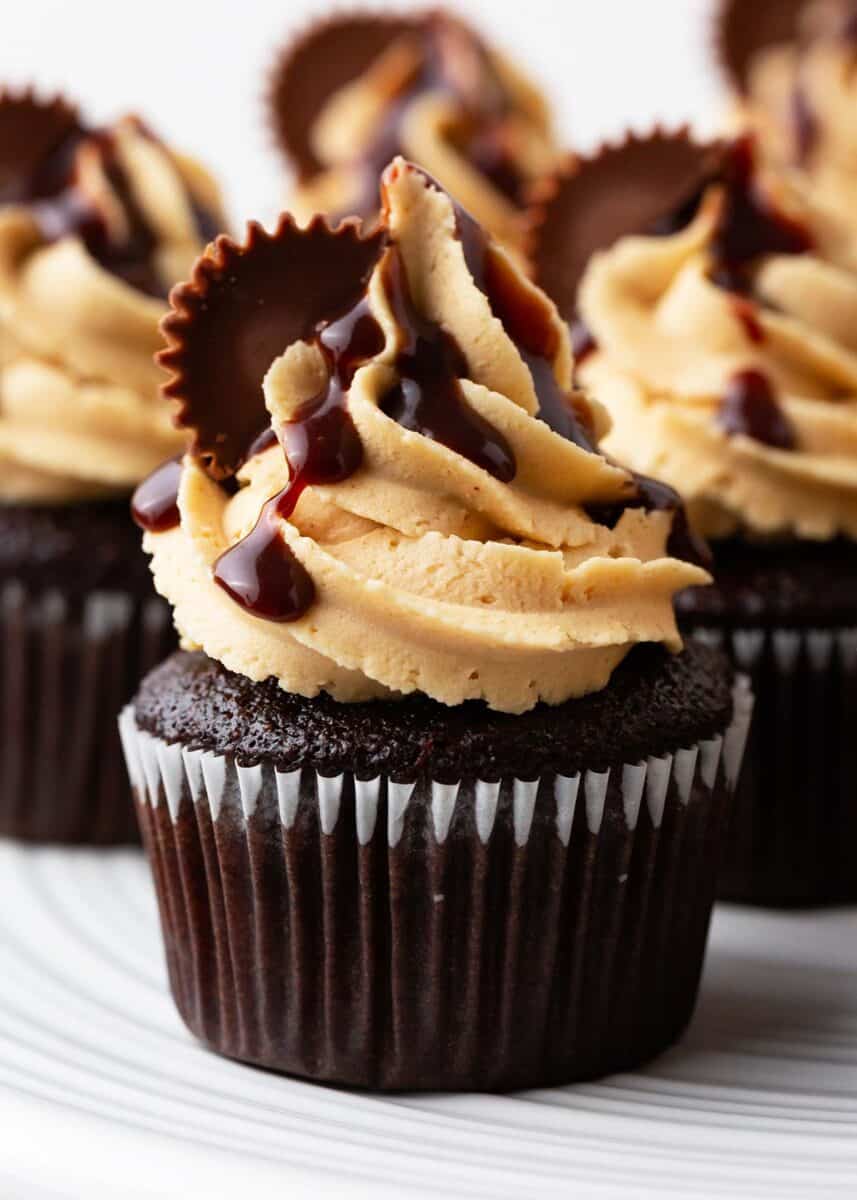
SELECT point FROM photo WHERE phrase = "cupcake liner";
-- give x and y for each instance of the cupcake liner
(66, 668)
(793, 840)
(399, 935)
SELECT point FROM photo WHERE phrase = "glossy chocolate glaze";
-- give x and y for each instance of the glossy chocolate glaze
(428, 397)
(750, 407)
(155, 503)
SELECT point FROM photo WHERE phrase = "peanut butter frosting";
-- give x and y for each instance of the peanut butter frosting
(93, 233)
(799, 95)
(441, 520)
(437, 95)
(726, 354)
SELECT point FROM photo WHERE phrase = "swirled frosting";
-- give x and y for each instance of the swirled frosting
(800, 98)
(735, 383)
(441, 98)
(86, 262)
(460, 546)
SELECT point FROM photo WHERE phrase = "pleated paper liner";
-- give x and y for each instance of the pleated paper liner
(793, 840)
(435, 936)
(66, 669)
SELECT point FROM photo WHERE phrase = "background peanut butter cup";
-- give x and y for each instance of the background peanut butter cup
(327, 56)
(743, 28)
(622, 189)
(32, 132)
(244, 305)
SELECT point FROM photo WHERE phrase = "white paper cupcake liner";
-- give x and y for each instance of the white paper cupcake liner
(396, 935)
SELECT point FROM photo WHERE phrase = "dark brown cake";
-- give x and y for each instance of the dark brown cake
(655, 702)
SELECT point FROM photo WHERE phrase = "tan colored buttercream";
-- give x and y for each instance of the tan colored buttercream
(431, 574)
(669, 339)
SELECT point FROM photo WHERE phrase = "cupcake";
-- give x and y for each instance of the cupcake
(790, 64)
(718, 316)
(359, 88)
(431, 798)
(95, 225)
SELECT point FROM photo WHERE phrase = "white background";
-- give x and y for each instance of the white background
(197, 69)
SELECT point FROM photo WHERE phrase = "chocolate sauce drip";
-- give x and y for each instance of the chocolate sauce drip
(654, 496)
(746, 313)
(320, 441)
(155, 503)
(428, 397)
(527, 319)
(263, 575)
(321, 446)
(750, 406)
(750, 226)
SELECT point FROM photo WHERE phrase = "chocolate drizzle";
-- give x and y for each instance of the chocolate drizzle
(428, 397)
(528, 322)
(750, 407)
(750, 226)
(155, 503)
(262, 574)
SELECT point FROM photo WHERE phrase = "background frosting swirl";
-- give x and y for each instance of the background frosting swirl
(431, 573)
(80, 412)
(670, 340)
(443, 99)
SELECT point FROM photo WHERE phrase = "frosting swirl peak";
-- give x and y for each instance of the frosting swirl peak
(427, 509)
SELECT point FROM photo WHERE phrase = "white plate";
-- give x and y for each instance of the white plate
(103, 1094)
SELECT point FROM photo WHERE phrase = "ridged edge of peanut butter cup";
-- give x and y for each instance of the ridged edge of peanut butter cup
(314, 64)
(244, 304)
(742, 29)
(30, 128)
(591, 201)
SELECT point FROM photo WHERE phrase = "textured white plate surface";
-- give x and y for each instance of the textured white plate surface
(104, 1094)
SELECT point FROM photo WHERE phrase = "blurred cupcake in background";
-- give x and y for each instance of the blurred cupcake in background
(791, 66)
(716, 307)
(95, 227)
(357, 89)
(432, 759)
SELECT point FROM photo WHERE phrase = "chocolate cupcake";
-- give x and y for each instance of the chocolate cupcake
(431, 798)
(359, 88)
(95, 226)
(720, 333)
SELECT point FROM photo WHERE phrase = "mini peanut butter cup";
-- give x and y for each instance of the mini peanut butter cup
(743, 29)
(33, 134)
(244, 305)
(324, 58)
(623, 189)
